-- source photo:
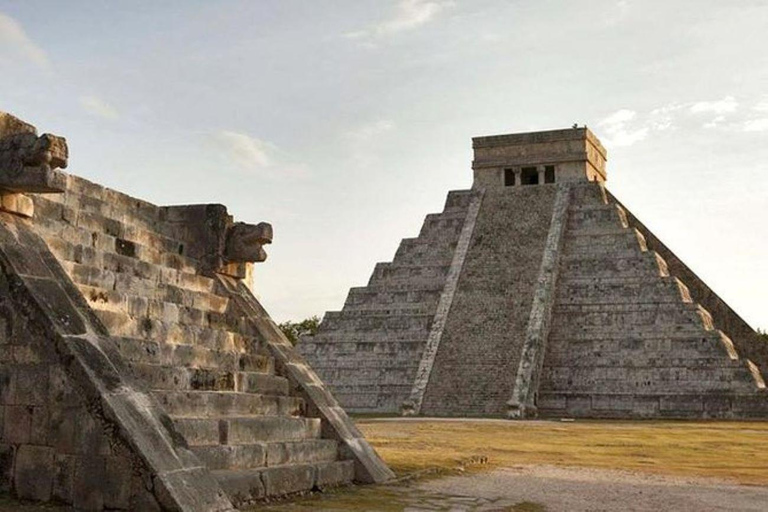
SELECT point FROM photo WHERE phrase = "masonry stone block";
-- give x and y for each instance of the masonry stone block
(33, 472)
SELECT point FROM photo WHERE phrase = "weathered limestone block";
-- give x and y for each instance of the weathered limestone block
(28, 162)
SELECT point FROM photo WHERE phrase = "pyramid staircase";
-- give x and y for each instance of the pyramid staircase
(186, 341)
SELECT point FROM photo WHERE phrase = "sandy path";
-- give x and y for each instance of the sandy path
(583, 489)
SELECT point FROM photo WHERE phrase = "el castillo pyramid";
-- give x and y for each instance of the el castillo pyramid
(137, 370)
(536, 293)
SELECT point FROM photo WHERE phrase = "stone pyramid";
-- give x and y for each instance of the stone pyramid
(137, 370)
(537, 293)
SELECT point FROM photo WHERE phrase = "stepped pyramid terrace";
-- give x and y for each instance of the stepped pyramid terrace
(138, 371)
(536, 293)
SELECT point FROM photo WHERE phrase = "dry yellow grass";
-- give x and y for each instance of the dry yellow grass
(732, 450)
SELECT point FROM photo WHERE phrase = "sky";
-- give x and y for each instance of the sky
(345, 122)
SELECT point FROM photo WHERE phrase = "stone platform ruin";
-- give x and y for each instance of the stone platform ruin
(537, 293)
(137, 370)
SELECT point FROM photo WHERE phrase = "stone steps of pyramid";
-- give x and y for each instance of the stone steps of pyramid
(84, 195)
(604, 242)
(152, 329)
(400, 351)
(706, 343)
(193, 356)
(269, 454)
(640, 358)
(227, 403)
(642, 264)
(667, 404)
(166, 288)
(373, 295)
(180, 378)
(628, 379)
(374, 310)
(609, 317)
(213, 404)
(246, 430)
(208, 313)
(345, 322)
(91, 241)
(639, 291)
(248, 486)
(420, 274)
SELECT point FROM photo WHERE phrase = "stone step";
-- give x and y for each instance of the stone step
(207, 404)
(74, 243)
(89, 216)
(137, 274)
(344, 321)
(653, 405)
(395, 375)
(640, 359)
(354, 314)
(389, 349)
(192, 356)
(664, 289)
(87, 277)
(621, 240)
(246, 430)
(419, 249)
(268, 454)
(175, 378)
(147, 328)
(246, 487)
(613, 335)
(361, 298)
(394, 271)
(644, 264)
(589, 194)
(707, 343)
(110, 204)
(405, 286)
(583, 318)
(597, 215)
(647, 379)
(168, 310)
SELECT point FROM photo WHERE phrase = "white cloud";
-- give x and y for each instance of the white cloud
(618, 117)
(761, 106)
(14, 39)
(371, 130)
(756, 125)
(98, 107)
(248, 152)
(620, 133)
(408, 15)
(723, 106)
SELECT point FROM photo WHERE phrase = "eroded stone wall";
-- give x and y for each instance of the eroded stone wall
(54, 445)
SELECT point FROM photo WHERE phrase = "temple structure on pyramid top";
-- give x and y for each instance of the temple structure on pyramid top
(537, 293)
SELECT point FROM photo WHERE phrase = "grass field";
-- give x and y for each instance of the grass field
(736, 451)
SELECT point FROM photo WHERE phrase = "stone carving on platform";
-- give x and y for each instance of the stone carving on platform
(245, 242)
(28, 162)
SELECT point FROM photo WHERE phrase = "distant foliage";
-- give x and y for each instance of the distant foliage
(295, 330)
(763, 334)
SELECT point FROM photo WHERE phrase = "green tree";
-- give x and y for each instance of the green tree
(295, 330)
(763, 334)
